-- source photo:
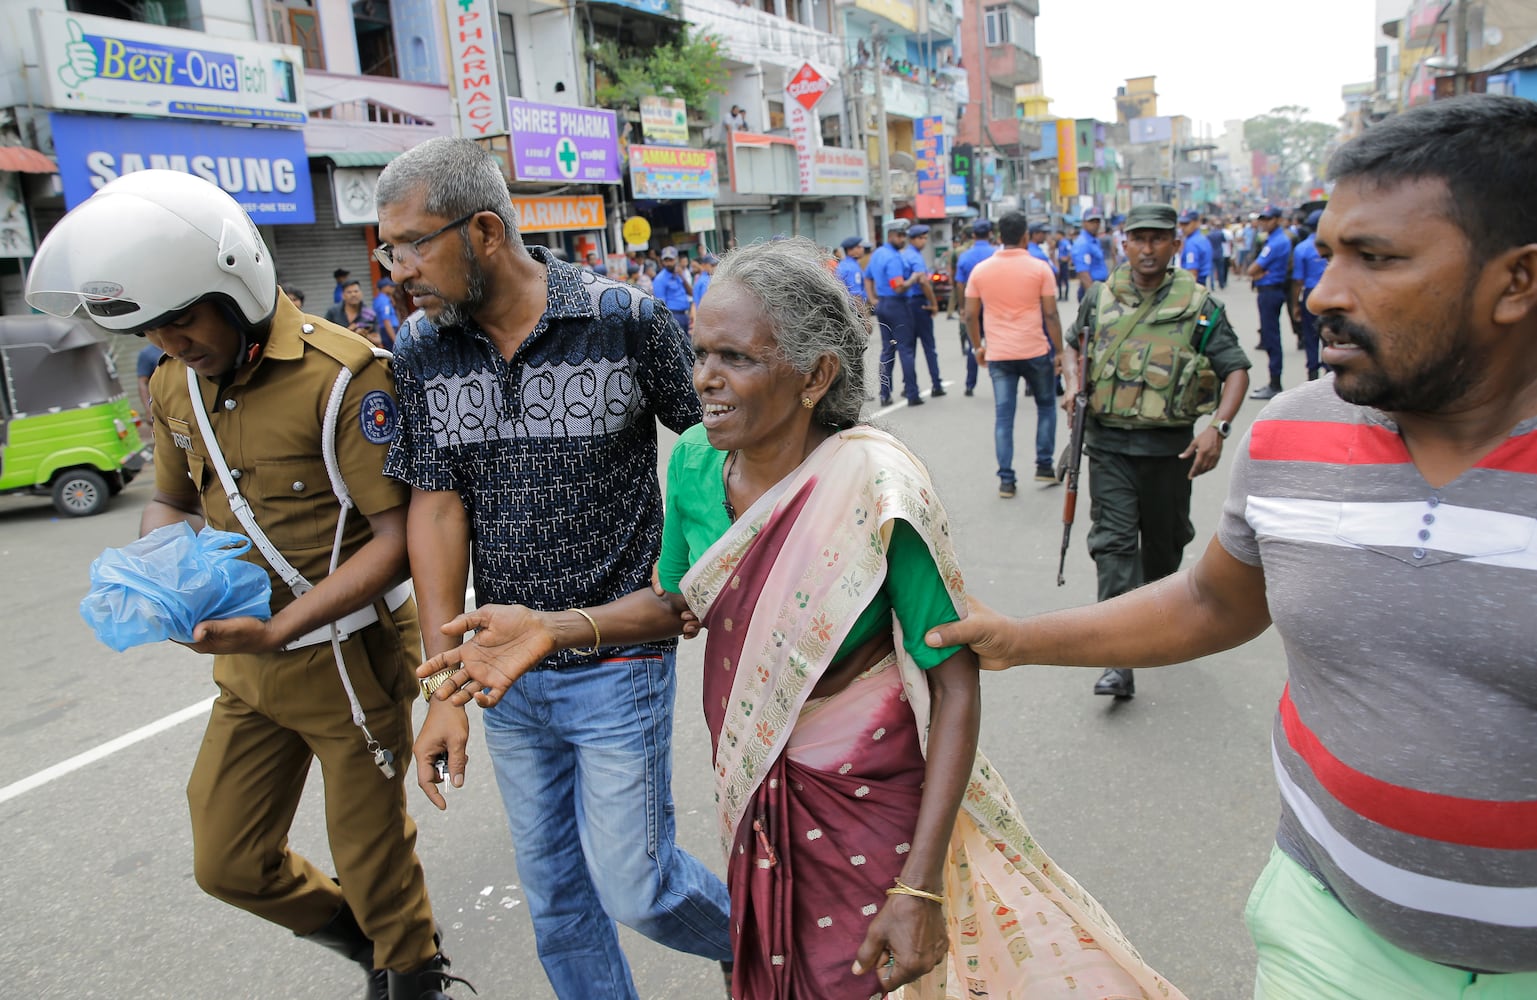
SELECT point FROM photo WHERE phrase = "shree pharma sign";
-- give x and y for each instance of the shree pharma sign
(90, 63)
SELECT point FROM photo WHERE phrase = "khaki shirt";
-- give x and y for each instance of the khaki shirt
(268, 422)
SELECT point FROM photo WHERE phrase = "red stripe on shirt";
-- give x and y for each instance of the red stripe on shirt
(1515, 455)
(1325, 441)
(1508, 826)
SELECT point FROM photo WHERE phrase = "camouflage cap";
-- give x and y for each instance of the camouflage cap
(1151, 216)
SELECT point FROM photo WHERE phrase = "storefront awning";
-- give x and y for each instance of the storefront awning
(21, 160)
(343, 158)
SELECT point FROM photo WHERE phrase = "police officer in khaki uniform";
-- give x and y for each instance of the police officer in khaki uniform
(1149, 319)
(174, 258)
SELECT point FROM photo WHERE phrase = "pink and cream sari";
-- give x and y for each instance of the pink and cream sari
(818, 799)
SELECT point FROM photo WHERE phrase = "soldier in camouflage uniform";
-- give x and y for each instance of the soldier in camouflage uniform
(1159, 354)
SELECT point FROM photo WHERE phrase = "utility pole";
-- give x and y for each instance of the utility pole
(883, 155)
(1460, 81)
(985, 92)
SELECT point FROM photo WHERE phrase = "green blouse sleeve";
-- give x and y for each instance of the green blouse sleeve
(696, 517)
(918, 594)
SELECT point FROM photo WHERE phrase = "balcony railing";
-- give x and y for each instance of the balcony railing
(754, 35)
(908, 99)
(372, 113)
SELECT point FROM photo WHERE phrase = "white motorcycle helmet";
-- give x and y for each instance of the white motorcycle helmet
(149, 245)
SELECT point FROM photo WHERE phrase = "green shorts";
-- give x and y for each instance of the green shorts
(1311, 948)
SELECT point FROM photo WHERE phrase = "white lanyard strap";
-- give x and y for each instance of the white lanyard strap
(238, 504)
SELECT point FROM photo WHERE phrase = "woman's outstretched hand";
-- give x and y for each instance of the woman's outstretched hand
(906, 940)
(509, 640)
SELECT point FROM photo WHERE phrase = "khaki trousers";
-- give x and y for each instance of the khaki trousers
(274, 714)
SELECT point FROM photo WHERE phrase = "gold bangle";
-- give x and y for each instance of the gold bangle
(437, 680)
(597, 637)
(903, 889)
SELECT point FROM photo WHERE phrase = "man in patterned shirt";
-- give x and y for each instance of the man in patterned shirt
(529, 396)
(1382, 519)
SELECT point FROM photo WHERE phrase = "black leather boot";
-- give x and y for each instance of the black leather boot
(1117, 683)
(429, 982)
(343, 936)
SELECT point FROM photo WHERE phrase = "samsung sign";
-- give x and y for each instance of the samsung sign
(264, 169)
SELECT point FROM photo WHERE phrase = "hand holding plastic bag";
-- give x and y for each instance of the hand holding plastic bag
(160, 586)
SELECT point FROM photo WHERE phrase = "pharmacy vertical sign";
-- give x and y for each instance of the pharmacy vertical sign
(802, 92)
(475, 69)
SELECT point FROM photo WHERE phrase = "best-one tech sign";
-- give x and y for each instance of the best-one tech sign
(264, 169)
(90, 63)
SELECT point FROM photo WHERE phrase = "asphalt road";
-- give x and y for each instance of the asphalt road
(1163, 807)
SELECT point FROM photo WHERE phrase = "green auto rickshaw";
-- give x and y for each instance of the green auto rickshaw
(66, 427)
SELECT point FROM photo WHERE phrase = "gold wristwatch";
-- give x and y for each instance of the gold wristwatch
(437, 680)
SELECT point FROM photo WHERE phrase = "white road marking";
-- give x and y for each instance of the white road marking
(106, 749)
(901, 402)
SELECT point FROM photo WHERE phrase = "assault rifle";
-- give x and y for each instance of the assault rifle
(1072, 462)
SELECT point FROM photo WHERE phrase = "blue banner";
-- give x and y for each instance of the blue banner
(264, 169)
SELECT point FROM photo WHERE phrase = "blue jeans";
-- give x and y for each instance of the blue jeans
(897, 342)
(680, 316)
(583, 758)
(1039, 375)
(1272, 299)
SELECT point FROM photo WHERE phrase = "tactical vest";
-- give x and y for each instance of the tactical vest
(1146, 366)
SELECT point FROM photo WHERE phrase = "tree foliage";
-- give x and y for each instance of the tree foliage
(1286, 136)
(693, 67)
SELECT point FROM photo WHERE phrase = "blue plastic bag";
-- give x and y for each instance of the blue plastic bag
(162, 585)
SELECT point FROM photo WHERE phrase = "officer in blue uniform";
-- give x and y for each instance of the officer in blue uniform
(1088, 255)
(1270, 273)
(982, 247)
(920, 298)
(1307, 270)
(888, 277)
(1196, 253)
(851, 269)
(668, 286)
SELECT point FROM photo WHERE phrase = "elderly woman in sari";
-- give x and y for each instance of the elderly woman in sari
(865, 839)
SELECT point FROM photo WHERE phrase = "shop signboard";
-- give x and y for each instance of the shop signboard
(699, 216)
(802, 92)
(664, 121)
(89, 63)
(840, 172)
(560, 144)
(562, 214)
(352, 192)
(930, 150)
(264, 169)
(475, 69)
(671, 173)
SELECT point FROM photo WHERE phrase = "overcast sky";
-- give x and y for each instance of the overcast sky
(1214, 59)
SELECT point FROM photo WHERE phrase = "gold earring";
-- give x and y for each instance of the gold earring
(806, 402)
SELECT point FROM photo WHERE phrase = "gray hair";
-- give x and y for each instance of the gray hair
(812, 316)
(458, 176)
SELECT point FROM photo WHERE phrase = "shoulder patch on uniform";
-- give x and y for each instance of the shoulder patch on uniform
(379, 418)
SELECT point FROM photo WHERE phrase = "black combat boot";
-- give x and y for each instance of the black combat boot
(430, 982)
(343, 936)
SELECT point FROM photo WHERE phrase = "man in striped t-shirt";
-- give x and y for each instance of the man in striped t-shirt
(1385, 520)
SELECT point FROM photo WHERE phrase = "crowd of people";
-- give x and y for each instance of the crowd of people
(869, 848)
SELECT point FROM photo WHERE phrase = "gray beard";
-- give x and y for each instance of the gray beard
(462, 313)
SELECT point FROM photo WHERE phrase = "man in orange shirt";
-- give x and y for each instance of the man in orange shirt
(1024, 341)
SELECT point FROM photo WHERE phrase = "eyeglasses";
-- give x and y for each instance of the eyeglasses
(388, 254)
